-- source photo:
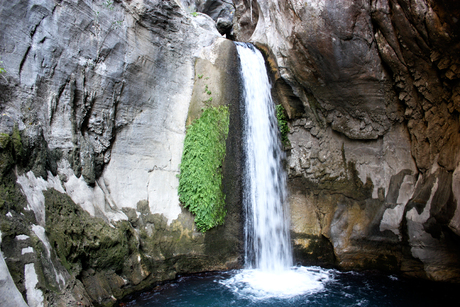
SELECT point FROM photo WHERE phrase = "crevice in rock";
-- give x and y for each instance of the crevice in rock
(23, 60)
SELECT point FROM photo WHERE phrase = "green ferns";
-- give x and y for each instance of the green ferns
(200, 180)
(282, 125)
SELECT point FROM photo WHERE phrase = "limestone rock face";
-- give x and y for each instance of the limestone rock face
(93, 105)
(371, 91)
(420, 46)
(221, 11)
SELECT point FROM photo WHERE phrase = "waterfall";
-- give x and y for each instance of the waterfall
(267, 241)
(268, 269)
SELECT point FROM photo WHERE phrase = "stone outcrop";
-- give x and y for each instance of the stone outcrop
(371, 91)
(93, 105)
(221, 11)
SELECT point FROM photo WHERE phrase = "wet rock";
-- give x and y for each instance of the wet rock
(428, 215)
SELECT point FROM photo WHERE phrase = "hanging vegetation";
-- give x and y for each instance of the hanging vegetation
(200, 181)
(282, 125)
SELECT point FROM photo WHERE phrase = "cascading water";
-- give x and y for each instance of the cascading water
(268, 256)
(266, 227)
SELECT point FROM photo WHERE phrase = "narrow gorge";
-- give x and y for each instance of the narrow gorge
(99, 99)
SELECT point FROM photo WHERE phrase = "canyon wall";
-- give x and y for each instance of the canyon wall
(95, 97)
(371, 90)
(94, 100)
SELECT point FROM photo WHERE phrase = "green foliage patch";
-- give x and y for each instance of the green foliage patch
(200, 180)
(206, 90)
(11, 150)
(282, 125)
(2, 70)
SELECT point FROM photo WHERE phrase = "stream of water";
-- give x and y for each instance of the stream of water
(268, 257)
(267, 242)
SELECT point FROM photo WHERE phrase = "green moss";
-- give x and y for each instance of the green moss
(11, 154)
(4, 139)
(200, 181)
(282, 125)
(11, 197)
(82, 241)
(11, 150)
(2, 70)
(16, 142)
(20, 154)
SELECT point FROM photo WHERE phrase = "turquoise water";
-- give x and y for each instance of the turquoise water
(340, 289)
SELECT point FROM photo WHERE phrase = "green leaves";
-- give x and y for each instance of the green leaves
(200, 181)
(206, 90)
(282, 125)
(2, 70)
(109, 4)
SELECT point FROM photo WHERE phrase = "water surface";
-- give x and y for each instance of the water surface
(339, 289)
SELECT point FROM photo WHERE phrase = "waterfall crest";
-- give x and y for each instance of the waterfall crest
(266, 227)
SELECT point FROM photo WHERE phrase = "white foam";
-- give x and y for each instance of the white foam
(260, 285)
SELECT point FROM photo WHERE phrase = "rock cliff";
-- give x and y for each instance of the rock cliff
(371, 91)
(94, 100)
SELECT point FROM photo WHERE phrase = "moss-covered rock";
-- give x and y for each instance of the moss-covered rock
(312, 250)
(82, 241)
(11, 150)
